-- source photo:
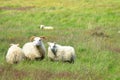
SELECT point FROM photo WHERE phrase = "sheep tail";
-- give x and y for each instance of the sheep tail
(72, 59)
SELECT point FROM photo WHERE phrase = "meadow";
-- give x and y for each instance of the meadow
(90, 26)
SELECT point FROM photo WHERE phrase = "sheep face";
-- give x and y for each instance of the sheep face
(41, 26)
(14, 45)
(53, 47)
(37, 41)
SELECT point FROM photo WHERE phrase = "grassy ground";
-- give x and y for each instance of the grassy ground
(90, 26)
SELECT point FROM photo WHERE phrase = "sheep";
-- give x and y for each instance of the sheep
(46, 27)
(34, 50)
(14, 54)
(57, 52)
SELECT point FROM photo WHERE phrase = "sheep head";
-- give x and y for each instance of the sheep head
(42, 26)
(37, 41)
(53, 47)
(14, 44)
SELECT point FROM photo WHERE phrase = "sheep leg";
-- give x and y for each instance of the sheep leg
(51, 59)
(70, 61)
(15, 62)
(67, 61)
(38, 58)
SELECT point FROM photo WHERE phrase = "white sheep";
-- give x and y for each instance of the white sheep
(35, 49)
(14, 54)
(57, 52)
(46, 27)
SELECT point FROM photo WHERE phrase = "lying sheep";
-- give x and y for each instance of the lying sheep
(57, 52)
(14, 54)
(46, 27)
(35, 49)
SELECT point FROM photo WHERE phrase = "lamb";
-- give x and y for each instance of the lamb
(34, 50)
(57, 52)
(46, 27)
(14, 54)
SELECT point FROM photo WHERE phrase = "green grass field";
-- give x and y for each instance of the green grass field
(90, 26)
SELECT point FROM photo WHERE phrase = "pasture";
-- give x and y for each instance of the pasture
(90, 26)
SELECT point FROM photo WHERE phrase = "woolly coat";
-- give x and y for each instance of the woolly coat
(64, 53)
(33, 52)
(14, 54)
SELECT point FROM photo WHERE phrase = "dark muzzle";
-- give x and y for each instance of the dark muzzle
(54, 51)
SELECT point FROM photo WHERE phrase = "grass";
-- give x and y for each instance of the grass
(90, 26)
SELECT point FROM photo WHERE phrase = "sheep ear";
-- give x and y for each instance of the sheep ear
(11, 44)
(42, 37)
(41, 26)
(48, 43)
(54, 43)
(14, 44)
(17, 44)
(31, 39)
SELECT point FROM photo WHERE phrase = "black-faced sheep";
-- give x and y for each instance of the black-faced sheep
(57, 52)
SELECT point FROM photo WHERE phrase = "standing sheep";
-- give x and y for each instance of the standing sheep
(57, 52)
(46, 27)
(14, 54)
(35, 49)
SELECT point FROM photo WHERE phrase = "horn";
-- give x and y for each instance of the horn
(31, 39)
(43, 37)
(17, 44)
